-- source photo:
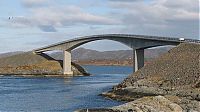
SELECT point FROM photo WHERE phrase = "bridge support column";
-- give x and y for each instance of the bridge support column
(139, 58)
(67, 67)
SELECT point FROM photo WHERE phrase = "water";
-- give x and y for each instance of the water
(60, 94)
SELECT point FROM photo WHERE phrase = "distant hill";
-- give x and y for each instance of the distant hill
(92, 57)
(88, 54)
(10, 54)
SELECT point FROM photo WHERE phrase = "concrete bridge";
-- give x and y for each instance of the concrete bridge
(137, 42)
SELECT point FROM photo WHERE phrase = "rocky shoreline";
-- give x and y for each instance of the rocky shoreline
(153, 104)
(170, 83)
(132, 93)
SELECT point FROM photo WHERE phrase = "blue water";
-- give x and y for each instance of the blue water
(60, 94)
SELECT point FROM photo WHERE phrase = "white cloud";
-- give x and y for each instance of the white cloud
(33, 3)
(189, 5)
(160, 17)
(151, 17)
(68, 15)
(48, 18)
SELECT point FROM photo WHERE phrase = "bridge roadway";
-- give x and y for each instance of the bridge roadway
(137, 42)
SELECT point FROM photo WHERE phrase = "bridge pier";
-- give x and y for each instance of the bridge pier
(67, 67)
(139, 59)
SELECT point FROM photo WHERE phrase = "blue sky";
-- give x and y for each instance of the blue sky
(37, 23)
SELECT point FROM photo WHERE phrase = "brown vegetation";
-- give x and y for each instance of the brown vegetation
(32, 64)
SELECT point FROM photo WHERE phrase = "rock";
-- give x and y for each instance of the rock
(150, 104)
(156, 104)
(97, 110)
(197, 85)
(185, 103)
(174, 107)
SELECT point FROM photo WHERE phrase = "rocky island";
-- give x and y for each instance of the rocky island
(170, 83)
(30, 64)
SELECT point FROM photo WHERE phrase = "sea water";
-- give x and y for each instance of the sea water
(52, 94)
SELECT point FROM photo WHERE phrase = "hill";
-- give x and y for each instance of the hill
(177, 68)
(120, 57)
(169, 82)
(28, 63)
(2, 55)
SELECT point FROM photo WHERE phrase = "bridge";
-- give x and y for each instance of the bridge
(137, 42)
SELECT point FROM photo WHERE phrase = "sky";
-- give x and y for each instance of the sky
(30, 24)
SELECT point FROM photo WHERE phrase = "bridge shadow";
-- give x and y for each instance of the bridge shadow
(46, 56)
(49, 58)
(76, 66)
(60, 61)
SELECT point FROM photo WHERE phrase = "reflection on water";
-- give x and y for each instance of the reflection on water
(67, 80)
(60, 94)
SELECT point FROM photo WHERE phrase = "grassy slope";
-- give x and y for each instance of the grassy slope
(29, 63)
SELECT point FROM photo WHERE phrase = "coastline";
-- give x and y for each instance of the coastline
(174, 86)
(30, 64)
(40, 76)
(109, 64)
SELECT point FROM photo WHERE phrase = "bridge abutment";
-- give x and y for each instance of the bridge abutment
(67, 67)
(139, 59)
